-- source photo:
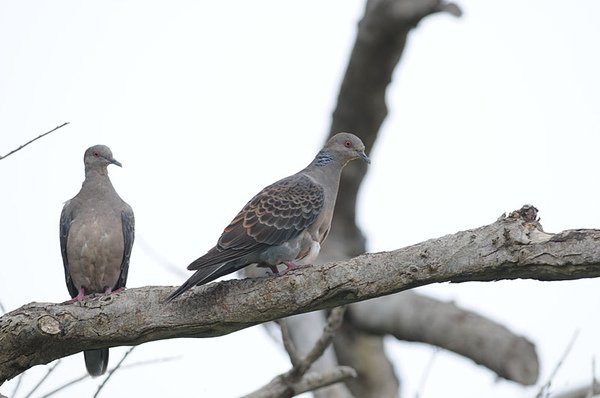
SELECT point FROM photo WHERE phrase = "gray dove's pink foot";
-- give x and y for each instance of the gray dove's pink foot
(80, 297)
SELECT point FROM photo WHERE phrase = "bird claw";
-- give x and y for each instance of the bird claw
(82, 297)
(290, 266)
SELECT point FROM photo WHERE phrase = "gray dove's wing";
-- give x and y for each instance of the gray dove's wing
(66, 217)
(128, 222)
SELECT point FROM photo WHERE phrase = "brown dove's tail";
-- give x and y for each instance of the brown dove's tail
(208, 273)
(96, 361)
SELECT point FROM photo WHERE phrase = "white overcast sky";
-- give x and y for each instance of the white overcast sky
(205, 103)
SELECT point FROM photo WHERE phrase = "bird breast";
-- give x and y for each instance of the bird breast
(95, 250)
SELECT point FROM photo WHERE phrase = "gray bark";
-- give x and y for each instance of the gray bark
(510, 248)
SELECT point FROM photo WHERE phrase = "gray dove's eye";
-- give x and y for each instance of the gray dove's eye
(96, 154)
(348, 144)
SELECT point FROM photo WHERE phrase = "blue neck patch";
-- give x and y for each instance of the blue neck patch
(323, 158)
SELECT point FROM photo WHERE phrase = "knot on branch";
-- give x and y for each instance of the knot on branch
(49, 325)
(533, 231)
(527, 213)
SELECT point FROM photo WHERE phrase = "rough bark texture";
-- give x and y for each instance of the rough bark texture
(510, 248)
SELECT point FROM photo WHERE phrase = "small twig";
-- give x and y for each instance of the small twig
(311, 381)
(113, 370)
(35, 139)
(546, 387)
(150, 362)
(333, 323)
(86, 376)
(594, 383)
(296, 380)
(69, 384)
(288, 343)
(141, 243)
(50, 370)
(426, 372)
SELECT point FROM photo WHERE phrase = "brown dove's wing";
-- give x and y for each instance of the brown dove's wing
(128, 223)
(277, 214)
(66, 217)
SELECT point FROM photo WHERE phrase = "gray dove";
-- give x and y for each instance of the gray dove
(285, 223)
(96, 237)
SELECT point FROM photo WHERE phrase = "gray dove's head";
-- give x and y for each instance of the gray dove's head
(98, 157)
(346, 147)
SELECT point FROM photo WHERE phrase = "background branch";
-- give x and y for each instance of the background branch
(412, 317)
(510, 248)
(296, 380)
(361, 108)
(35, 139)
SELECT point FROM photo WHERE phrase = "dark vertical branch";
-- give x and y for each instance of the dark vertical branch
(361, 109)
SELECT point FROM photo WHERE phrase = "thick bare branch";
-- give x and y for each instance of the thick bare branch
(35, 139)
(412, 317)
(510, 248)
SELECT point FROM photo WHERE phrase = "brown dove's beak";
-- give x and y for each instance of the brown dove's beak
(364, 157)
(115, 162)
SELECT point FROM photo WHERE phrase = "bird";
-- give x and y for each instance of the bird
(97, 229)
(285, 223)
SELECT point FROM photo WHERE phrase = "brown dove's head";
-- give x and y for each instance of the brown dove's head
(345, 147)
(98, 157)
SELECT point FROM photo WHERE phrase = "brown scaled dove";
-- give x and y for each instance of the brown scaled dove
(285, 223)
(96, 237)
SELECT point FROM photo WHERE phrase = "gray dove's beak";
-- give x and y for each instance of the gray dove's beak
(115, 162)
(364, 157)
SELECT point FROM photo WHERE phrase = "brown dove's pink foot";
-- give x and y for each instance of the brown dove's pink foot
(274, 269)
(292, 266)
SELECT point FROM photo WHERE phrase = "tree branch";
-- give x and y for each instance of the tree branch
(309, 382)
(592, 390)
(510, 248)
(365, 353)
(412, 317)
(296, 380)
(35, 139)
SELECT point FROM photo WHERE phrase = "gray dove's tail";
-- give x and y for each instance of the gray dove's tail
(96, 361)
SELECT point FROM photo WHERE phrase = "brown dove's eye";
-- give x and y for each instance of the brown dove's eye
(348, 144)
